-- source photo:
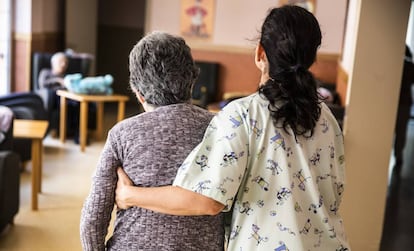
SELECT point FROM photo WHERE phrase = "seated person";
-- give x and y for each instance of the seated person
(6, 119)
(53, 79)
(326, 95)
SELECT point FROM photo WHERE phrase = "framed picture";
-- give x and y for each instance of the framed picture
(310, 5)
(197, 19)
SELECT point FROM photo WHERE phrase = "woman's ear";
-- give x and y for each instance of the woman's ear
(260, 58)
(140, 98)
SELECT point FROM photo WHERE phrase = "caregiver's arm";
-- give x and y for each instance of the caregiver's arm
(167, 199)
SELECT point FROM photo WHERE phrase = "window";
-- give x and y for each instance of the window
(5, 45)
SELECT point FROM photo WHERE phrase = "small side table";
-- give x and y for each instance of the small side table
(83, 121)
(34, 130)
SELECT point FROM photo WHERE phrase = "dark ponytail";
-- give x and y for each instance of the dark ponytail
(290, 37)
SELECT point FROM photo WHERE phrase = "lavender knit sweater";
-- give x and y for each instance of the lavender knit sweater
(150, 147)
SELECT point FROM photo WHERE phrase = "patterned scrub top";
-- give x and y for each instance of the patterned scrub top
(284, 192)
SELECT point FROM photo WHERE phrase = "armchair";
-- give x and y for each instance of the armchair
(24, 106)
(76, 64)
(9, 187)
(41, 60)
(9, 179)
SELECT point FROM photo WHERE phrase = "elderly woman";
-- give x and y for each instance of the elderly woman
(53, 78)
(150, 147)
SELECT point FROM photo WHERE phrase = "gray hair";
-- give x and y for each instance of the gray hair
(162, 69)
(57, 57)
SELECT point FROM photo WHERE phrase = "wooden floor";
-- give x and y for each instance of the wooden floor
(67, 176)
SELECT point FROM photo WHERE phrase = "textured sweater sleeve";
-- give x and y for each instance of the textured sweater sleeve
(98, 206)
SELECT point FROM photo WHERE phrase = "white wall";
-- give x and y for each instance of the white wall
(376, 58)
(5, 46)
(22, 16)
(410, 31)
(350, 34)
(238, 21)
(331, 15)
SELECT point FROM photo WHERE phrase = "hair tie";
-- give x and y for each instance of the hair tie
(297, 68)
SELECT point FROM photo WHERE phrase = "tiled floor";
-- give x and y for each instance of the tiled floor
(398, 232)
(66, 180)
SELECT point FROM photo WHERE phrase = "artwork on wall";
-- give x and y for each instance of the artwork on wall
(307, 4)
(197, 18)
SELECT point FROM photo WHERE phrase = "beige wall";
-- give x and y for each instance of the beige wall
(376, 59)
(236, 25)
(37, 26)
(81, 27)
(236, 22)
(46, 16)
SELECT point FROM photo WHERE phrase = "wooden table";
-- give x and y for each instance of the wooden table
(34, 130)
(83, 120)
